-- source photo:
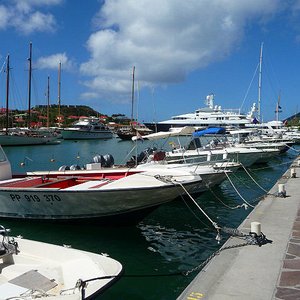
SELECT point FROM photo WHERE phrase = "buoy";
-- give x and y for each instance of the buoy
(293, 173)
(281, 190)
(256, 228)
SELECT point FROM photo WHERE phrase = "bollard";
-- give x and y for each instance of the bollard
(293, 173)
(256, 228)
(281, 190)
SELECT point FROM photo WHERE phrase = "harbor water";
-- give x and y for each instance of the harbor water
(172, 239)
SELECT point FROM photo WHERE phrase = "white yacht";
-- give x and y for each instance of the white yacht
(87, 128)
(211, 115)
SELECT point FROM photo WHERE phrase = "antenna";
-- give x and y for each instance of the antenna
(48, 100)
(59, 88)
(29, 84)
(259, 82)
(7, 92)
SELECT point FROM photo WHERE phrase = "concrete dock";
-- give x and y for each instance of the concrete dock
(271, 271)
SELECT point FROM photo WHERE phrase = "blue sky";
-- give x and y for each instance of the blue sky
(182, 51)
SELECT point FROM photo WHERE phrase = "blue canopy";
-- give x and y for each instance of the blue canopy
(210, 130)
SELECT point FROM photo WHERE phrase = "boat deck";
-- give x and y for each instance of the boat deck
(62, 182)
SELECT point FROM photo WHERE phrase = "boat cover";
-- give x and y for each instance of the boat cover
(209, 130)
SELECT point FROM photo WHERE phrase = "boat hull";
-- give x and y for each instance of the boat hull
(47, 204)
(19, 140)
(242, 158)
(86, 135)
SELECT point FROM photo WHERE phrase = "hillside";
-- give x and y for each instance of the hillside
(68, 113)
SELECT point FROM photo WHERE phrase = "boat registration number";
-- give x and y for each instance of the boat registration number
(35, 198)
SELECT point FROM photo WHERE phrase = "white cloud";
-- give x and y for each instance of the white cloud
(52, 62)
(4, 16)
(26, 16)
(35, 22)
(89, 95)
(165, 40)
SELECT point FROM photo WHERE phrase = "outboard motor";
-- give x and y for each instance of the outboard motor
(131, 162)
(75, 167)
(108, 160)
(64, 168)
(98, 158)
(145, 154)
(141, 156)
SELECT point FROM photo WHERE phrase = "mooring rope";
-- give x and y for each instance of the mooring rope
(254, 180)
(292, 148)
(238, 191)
(230, 207)
(216, 226)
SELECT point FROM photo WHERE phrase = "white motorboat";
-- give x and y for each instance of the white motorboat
(244, 156)
(36, 270)
(211, 115)
(97, 193)
(254, 139)
(87, 128)
(217, 148)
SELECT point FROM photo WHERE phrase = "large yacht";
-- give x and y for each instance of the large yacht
(87, 128)
(211, 115)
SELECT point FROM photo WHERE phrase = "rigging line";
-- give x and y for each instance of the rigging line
(16, 92)
(270, 64)
(238, 191)
(3, 66)
(270, 82)
(254, 180)
(246, 95)
(35, 90)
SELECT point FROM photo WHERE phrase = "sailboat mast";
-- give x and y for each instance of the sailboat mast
(259, 82)
(29, 84)
(278, 107)
(59, 88)
(132, 94)
(7, 92)
(48, 100)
